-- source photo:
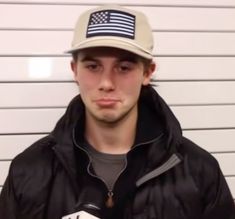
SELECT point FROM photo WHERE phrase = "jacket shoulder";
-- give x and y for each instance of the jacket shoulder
(30, 176)
(40, 151)
(196, 154)
(202, 167)
(33, 167)
(209, 179)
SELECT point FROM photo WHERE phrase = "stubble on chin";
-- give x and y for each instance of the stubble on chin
(111, 118)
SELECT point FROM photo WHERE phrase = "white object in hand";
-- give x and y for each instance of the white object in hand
(80, 215)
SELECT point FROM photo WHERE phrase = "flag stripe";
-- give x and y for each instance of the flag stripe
(110, 25)
(108, 28)
(122, 15)
(121, 22)
(122, 19)
(110, 31)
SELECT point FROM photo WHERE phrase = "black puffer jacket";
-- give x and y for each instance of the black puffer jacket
(166, 177)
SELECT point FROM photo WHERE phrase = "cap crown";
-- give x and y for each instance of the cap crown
(114, 26)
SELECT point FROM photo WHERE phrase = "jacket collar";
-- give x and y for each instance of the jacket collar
(150, 98)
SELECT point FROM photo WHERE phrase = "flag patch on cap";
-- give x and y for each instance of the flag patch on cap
(111, 23)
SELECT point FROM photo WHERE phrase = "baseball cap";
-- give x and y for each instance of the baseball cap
(113, 26)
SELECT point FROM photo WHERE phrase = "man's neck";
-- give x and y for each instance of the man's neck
(112, 138)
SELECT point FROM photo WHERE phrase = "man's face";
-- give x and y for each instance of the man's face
(109, 82)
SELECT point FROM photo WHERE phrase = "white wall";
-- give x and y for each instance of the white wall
(195, 53)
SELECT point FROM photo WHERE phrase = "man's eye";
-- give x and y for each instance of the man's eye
(125, 67)
(92, 67)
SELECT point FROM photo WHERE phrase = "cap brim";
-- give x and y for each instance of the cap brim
(111, 43)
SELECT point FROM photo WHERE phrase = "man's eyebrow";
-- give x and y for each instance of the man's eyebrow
(132, 59)
(88, 58)
(129, 59)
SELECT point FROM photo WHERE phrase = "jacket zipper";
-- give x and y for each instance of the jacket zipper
(109, 201)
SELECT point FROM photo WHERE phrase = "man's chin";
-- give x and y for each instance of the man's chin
(109, 119)
(111, 116)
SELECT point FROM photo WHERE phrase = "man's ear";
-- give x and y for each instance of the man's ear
(73, 67)
(148, 73)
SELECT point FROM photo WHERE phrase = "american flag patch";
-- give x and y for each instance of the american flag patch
(111, 23)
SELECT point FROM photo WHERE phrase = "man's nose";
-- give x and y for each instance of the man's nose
(107, 81)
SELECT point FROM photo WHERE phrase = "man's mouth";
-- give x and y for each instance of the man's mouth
(106, 102)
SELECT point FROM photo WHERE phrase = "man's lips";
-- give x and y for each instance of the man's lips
(106, 102)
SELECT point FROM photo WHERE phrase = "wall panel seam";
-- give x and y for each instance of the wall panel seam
(126, 4)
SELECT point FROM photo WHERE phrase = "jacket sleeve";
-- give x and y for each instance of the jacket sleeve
(8, 202)
(218, 199)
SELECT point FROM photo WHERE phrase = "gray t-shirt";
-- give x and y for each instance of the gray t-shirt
(106, 166)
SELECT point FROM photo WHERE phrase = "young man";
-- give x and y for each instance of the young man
(118, 151)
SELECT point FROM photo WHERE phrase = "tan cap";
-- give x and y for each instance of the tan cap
(114, 26)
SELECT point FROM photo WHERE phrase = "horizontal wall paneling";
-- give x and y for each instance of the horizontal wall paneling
(43, 120)
(167, 43)
(59, 94)
(36, 69)
(201, 3)
(161, 18)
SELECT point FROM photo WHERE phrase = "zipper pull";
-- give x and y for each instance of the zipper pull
(109, 202)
